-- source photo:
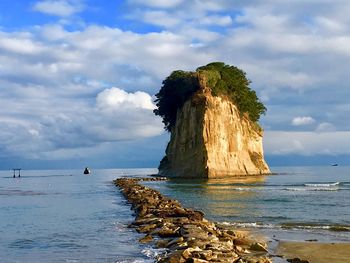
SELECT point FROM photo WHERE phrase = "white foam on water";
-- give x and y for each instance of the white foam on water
(153, 252)
(312, 189)
(249, 225)
(287, 226)
(133, 261)
(323, 184)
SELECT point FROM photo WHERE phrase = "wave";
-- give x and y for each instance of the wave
(323, 184)
(311, 189)
(315, 187)
(249, 225)
(12, 192)
(311, 226)
(153, 252)
(293, 226)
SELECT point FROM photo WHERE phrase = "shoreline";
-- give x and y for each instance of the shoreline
(315, 252)
(184, 233)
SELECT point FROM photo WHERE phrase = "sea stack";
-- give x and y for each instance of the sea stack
(212, 116)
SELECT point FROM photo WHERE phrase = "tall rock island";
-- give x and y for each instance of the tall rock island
(212, 116)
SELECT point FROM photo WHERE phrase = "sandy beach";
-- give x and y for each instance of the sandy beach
(315, 252)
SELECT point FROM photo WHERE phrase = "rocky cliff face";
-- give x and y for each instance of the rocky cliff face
(211, 139)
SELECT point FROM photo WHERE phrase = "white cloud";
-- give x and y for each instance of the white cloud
(62, 8)
(217, 20)
(306, 143)
(305, 120)
(325, 127)
(115, 116)
(160, 18)
(158, 3)
(19, 45)
(115, 98)
(55, 84)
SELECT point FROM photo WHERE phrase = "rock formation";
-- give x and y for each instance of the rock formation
(184, 233)
(212, 138)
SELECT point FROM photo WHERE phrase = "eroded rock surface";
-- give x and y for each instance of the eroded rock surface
(212, 139)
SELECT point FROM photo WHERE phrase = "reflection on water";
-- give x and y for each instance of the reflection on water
(296, 196)
(222, 197)
(228, 193)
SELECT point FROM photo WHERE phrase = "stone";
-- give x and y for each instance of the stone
(168, 232)
(187, 253)
(146, 239)
(258, 247)
(175, 241)
(243, 242)
(174, 257)
(146, 228)
(297, 260)
(197, 260)
(186, 239)
(162, 243)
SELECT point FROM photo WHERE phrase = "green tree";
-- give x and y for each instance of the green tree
(176, 89)
(224, 80)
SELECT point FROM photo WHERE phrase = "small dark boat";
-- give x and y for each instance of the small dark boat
(87, 170)
(334, 164)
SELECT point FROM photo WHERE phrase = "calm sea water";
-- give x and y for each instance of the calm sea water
(65, 216)
(299, 203)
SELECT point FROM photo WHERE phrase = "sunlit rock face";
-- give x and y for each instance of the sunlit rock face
(211, 139)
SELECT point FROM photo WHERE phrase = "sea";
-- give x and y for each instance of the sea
(66, 216)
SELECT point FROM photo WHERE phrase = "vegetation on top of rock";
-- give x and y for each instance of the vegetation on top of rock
(176, 90)
(222, 79)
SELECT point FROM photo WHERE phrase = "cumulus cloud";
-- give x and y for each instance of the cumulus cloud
(116, 115)
(115, 98)
(325, 127)
(306, 143)
(217, 20)
(305, 120)
(61, 8)
(158, 3)
(58, 85)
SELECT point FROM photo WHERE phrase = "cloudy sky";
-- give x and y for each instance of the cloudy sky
(78, 77)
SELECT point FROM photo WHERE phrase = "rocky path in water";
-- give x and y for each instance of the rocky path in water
(185, 234)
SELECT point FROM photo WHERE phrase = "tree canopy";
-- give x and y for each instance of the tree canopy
(223, 80)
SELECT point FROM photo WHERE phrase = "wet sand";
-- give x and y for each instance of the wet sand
(315, 252)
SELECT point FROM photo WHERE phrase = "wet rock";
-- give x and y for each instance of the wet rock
(162, 243)
(146, 239)
(168, 232)
(258, 247)
(146, 228)
(297, 260)
(185, 233)
(243, 241)
(187, 253)
(197, 260)
(175, 241)
(173, 257)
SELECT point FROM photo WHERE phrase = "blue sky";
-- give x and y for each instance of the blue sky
(78, 77)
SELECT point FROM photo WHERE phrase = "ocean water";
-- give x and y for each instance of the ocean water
(65, 216)
(298, 203)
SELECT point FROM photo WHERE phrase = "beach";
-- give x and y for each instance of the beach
(315, 252)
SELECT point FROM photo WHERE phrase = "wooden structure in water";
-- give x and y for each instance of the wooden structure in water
(14, 172)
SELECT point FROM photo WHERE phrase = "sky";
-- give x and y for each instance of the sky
(78, 77)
